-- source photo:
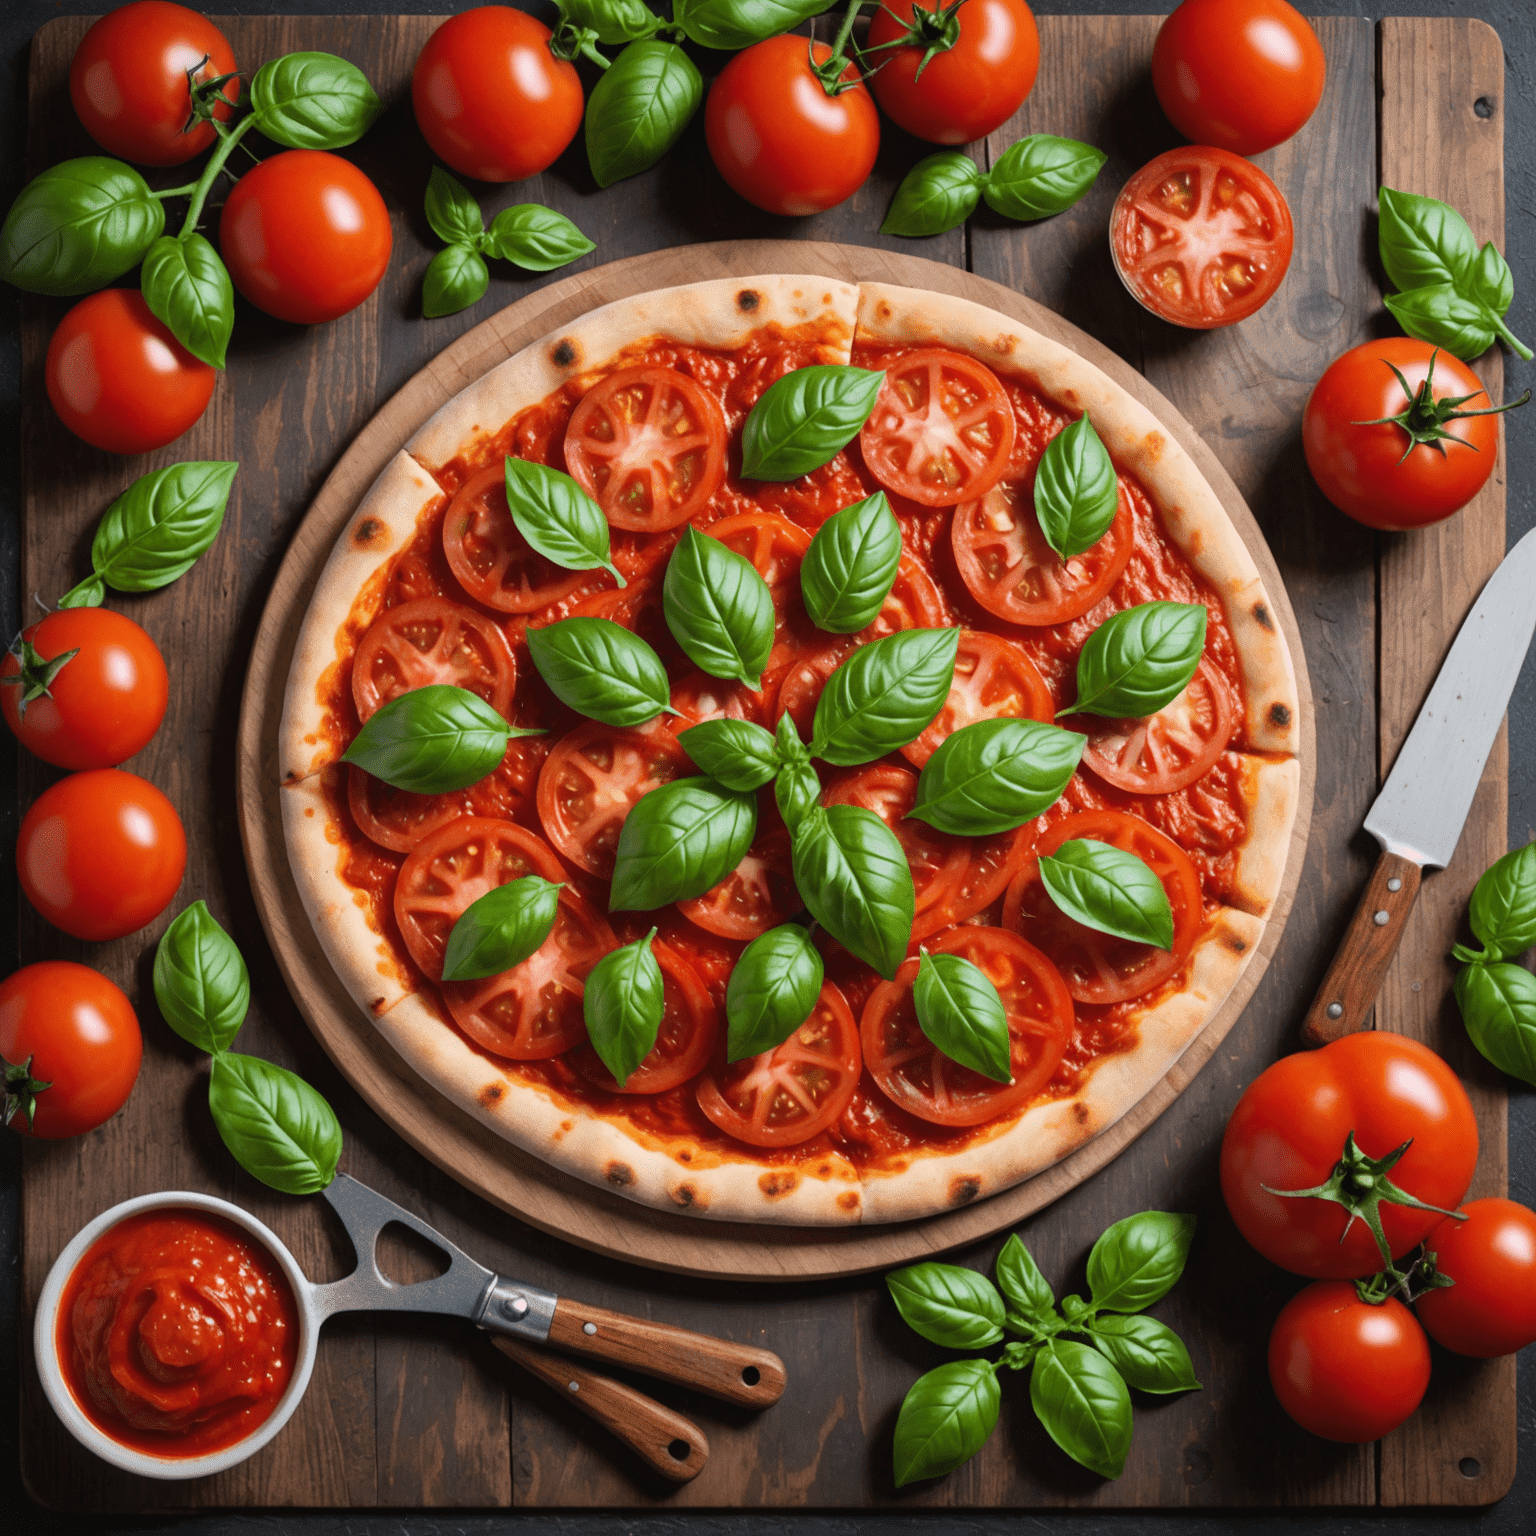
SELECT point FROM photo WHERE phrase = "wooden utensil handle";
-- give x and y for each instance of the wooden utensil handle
(1353, 980)
(673, 1445)
(737, 1373)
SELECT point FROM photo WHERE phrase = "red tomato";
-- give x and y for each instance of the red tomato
(490, 97)
(433, 640)
(993, 678)
(1243, 75)
(102, 705)
(1347, 1369)
(757, 895)
(779, 139)
(82, 1038)
(128, 81)
(1171, 749)
(101, 854)
(118, 378)
(648, 445)
(395, 818)
(637, 606)
(973, 86)
(305, 236)
(1288, 1132)
(698, 697)
(1200, 237)
(1491, 1255)
(913, 1073)
(795, 1091)
(1395, 476)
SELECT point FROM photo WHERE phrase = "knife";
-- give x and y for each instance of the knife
(1419, 814)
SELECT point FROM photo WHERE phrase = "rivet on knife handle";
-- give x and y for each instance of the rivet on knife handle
(1348, 992)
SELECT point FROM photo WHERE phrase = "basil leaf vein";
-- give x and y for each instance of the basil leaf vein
(432, 740)
(945, 1418)
(948, 1304)
(1139, 660)
(885, 695)
(601, 670)
(678, 841)
(848, 570)
(805, 419)
(959, 1010)
(558, 518)
(938, 194)
(994, 775)
(738, 753)
(772, 991)
(275, 1125)
(201, 982)
(623, 1006)
(853, 875)
(1108, 889)
(718, 608)
(1076, 492)
(501, 929)
(638, 109)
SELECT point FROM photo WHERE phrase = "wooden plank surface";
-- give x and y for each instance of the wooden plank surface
(411, 1412)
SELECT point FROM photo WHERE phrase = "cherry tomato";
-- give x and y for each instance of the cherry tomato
(757, 895)
(1171, 749)
(118, 378)
(1288, 1132)
(490, 97)
(128, 81)
(103, 704)
(973, 86)
(83, 1041)
(1347, 1369)
(779, 139)
(993, 678)
(1491, 1255)
(1200, 237)
(1243, 75)
(432, 640)
(305, 236)
(1384, 474)
(101, 853)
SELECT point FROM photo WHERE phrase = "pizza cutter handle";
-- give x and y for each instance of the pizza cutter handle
(673, 1445)
(735, 1373)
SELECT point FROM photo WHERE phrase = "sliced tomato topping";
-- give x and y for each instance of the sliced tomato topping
(772, 544)
(590, 781)
(795, 1091)
(915, 1075)
(1097, 967)
(1171, 749)
(1011, 571)
(942, 429)
(433, 640)
(698, 696)
(757, 895)
(993, 678)
(638, 607)
(648, 445)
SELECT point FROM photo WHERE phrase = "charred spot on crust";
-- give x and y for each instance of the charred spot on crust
(1280, 715)
(562, 354)
(621, 1175)
(884, 310)
(1080, 1112)
(492, 1095)
(824, 1171)
(964, 1189)
(777, 1183)
(748, 300)
(1005, 344)
(369, 532)
(379, 1007)
(848, 1200)
(1262, 619)
(1153, 446)
(1234, 941)
(686, 1194)
(293, 776)
(685, 1156)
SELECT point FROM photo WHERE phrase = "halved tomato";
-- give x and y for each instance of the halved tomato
(757, 895)
(648, 445)
(1098, 968)
(433, 640)
(941, 431)
(915, 1075)
(1169, 750)
(793, 1092)
(993, 678)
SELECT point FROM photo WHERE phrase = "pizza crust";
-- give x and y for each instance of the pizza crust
(1272, 791)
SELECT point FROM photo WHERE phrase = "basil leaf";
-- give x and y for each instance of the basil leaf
(601, 670)
(186, 287)
(455, 278)
(1498, 1006)
(558, 518)
(1491, 282)
(623, 1004)
(718, 608)
(1040, 176)
(275, 1125)
(201, 983)
(1108, 889)
(788, 749)
(432, 740)
(501, 929)
(938, 194)
(805, 419)
(1028, 1295)
(731, 25)
(1444, 318)
(313, 101)
(452, 211)
(638, 109)
(1137, 1261)
(958, 1009)
(772, 990)
(1139, 659)
(1503, 907)
(611, 21)
(993, 775)
(1149, 1355)
(535, 238)
(945, 1419)
(796, 792)
(1081, 1400)
(79, 226)
(847, 572)
(1076, 492)
(885, 695)
(1424, 243)
(948, 1305)
(739, 753)
(678, 841)
(852, 872)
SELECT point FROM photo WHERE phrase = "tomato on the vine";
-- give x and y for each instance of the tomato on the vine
(129, 81)
(989, 53)
(1491, 1255)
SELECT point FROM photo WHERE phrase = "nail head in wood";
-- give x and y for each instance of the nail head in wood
(1335, 1010)
(1394, 885)
(589, 1327)
(1382, 918)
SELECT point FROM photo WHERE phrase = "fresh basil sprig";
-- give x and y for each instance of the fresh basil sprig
(884, 696)
(739, 753)
(155, 531)
(623, 1004)
(938, 194)
(994, 775)
(201, 983)
(958, 1009)
(601, 670)
(1498, 1006)
(187, 288)
(852, 873)
(948, 1304)
(432, 740)
(678, 841)
(638, 109)
(731, 25)
(313, 101)
(585, 23)
(501, 929)
(1110, 890)
(796, 792)
(1076, 492)
(718, 608)
(804, 419)
(1502, 911)
(558, 518)
(1139, 660)
(773, 988)
(847, 572)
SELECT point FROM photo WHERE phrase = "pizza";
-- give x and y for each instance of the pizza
(856, 1116)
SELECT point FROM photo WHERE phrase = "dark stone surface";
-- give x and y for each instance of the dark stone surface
(1515, 20)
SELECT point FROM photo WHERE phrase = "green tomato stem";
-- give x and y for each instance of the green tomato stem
(185, 191)
(228, 138)
(1511, 340)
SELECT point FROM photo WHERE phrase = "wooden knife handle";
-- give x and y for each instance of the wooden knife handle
(736, 1373)
(1353, 980)
(673, 1445)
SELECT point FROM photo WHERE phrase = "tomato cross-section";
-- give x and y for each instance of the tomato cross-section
(993, 678)
(757, 895)
(433, 640)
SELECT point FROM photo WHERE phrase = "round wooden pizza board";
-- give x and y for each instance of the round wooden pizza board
(506, 1176)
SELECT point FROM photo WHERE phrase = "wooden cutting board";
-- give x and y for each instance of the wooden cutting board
(407, 1412)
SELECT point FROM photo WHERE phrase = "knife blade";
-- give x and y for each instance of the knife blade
(1418, 816)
